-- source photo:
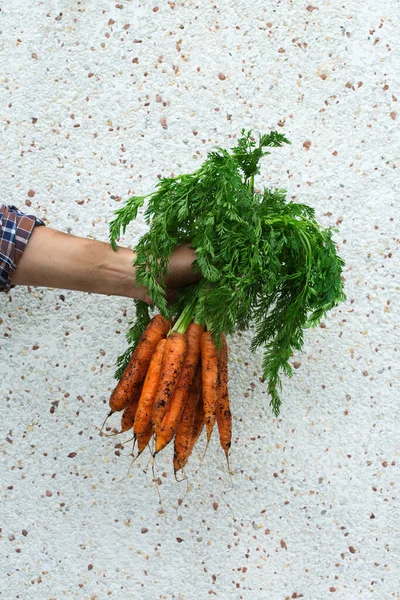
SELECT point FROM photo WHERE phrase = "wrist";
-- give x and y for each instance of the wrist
(57, 260)
(119, 273)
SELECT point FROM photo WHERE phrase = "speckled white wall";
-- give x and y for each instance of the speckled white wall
(98, 99)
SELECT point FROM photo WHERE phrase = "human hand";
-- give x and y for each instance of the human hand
(57, 260)
(180, 273)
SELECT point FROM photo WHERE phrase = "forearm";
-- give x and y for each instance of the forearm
(55, 259)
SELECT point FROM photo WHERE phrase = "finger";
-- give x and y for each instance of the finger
(181, 270)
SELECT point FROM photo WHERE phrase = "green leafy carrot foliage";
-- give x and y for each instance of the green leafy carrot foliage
(265, 261)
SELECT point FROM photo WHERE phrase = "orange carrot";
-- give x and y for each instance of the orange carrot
(144, 439)
(209, 375)
(189, 430)
(224, 417)
(133, 376)
(166, 431)
(128, 416)
(173, 359)
(145, 408)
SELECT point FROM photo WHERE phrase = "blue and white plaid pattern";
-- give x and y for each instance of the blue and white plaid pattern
(15, 230)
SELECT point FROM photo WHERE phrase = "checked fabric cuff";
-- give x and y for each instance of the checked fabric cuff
(15, 230)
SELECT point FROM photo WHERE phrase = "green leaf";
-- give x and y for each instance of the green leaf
(123, 216)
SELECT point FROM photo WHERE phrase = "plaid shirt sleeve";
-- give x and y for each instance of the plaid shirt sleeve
(15, 230)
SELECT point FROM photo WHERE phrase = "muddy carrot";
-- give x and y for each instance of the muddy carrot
(186, 437)
(135, 372)
(144, 439)
(172, 363)
(209, 376)
(168, 426)
(223, 412)
(145, 407)
(128, 416)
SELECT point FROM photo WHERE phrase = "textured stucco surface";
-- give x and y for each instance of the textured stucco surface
(98, 98)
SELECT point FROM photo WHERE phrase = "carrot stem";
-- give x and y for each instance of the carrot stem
(185, 318)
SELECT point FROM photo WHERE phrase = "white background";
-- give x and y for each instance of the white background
(98, 99)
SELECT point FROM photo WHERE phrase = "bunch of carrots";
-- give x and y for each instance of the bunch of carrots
(262, 259)
(175, 383)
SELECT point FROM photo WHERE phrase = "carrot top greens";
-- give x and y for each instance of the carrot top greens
(264, 261)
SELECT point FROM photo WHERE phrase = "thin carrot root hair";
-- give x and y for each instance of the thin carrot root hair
(187, 489)
(153, 462)
(230, 473)
(151, 455)
(204, 456)
(132, 439)
(184, 478)
(147, 466)
(108, 435)
(127, 441)
(143, 449)
(229, 467)
(128, 472)
(134, 459)
(226, 502)
(111, 412)
(230, 489)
